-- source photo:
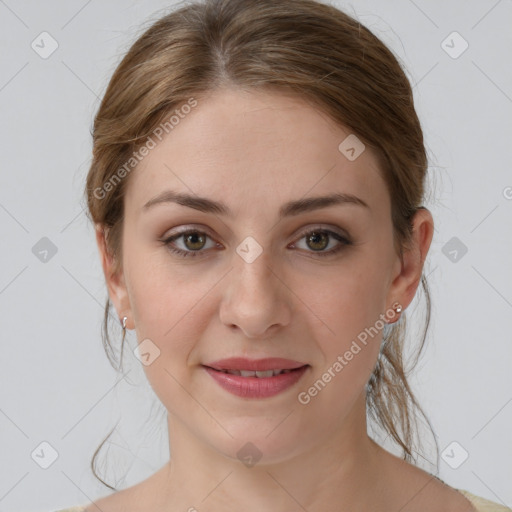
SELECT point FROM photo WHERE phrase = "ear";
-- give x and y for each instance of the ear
(114, 278)
(410, 267)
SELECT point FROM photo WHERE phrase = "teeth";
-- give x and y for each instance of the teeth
(248, 373)
(267, 373)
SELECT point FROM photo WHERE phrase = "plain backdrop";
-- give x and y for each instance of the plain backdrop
(56, 385)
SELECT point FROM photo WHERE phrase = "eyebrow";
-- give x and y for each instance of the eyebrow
(290, 208)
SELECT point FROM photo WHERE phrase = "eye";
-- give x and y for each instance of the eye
(193, 240)
(319, 239)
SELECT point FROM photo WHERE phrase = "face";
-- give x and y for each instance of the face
(261, 280)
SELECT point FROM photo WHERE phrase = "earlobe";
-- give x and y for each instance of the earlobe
(114, 276)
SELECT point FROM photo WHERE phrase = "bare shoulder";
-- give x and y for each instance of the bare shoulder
(437, 495)
(116, 502)
(424, 492)
(132, 499)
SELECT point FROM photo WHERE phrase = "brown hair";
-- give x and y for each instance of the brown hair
(300, 46)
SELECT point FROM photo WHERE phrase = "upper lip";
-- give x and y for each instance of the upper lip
(242, 363)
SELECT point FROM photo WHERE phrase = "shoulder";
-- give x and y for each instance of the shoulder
(482, 504)
(423, 491)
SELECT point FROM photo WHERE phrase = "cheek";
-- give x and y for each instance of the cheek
(348, 300)
(167, 310)
(164, 302)
(350, 310)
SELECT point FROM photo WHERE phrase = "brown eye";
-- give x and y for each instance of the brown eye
(317, 240)
(194, 241)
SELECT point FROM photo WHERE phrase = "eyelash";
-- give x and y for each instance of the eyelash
(186, 254)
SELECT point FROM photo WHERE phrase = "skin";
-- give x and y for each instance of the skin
(255, 151)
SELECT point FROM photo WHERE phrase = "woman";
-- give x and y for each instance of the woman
(257, 188)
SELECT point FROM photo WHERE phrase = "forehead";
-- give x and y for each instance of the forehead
(258, 149)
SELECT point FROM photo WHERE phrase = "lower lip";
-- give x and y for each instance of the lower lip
(256, 387)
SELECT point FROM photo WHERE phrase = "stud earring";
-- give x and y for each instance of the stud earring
(124, 323)
(397, 308)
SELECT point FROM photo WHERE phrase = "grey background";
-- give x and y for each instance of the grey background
(56, 385)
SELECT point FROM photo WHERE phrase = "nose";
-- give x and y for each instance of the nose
(256, 299)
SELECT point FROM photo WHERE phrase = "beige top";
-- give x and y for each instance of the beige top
(483, 505)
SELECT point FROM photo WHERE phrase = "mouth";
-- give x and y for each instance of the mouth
(243, 364)
(256, 383)
(259, 374)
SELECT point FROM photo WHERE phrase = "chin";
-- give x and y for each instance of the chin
(258, 441)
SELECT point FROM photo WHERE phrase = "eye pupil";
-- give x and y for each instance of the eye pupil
(315, 237)
(193, 237)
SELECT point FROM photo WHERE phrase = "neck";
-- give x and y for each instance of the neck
(342, 468)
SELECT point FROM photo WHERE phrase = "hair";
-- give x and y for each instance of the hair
(302, 47)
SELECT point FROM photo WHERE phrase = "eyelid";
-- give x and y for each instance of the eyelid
(323, 227)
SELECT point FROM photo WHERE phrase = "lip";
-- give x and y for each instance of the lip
(256, 387)
(242, 363)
